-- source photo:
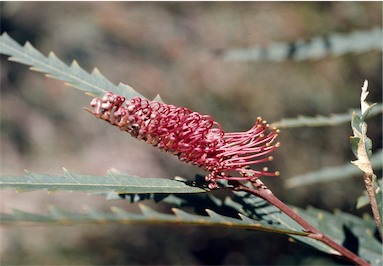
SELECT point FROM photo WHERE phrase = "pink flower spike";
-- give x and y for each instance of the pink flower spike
(196, 139)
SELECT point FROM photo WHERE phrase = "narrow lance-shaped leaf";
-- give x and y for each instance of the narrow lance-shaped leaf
(250, 208)
(147, 216)
(334, 173)
(322, 121)
(254, 213)
(335, 44)
(95, 83)
(112, 182)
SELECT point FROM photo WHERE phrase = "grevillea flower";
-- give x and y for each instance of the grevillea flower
(194, 138)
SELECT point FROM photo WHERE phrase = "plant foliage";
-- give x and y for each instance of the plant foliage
(147, 216)
(112, 182)
(332, 173)
(335, 44)
(321, 121)
(361, 146)
(94, 84)
(241, 210)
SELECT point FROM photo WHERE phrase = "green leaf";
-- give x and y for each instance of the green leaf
(340, 226)
(321, 121)
(255, 207)
(251, 208)
(335, 44)
(147, 216)
(347, 230)
(95, 83)
(330, 174)
(242, 212)
(112, 182)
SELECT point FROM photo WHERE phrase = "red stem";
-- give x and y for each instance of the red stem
(263, 192)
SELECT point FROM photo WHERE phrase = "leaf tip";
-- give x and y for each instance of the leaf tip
(158, 98)
(96, 71)
(75, 64)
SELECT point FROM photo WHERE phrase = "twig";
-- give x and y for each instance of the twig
(362, 148)
(368, 181)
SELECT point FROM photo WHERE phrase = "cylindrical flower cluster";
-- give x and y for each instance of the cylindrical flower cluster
(194, 138)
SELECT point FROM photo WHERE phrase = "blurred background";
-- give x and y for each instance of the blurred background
(170, 49)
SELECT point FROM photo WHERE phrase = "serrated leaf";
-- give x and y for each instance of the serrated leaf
(94, 84)
(346, 229)
(252, 209)
(112, 182)
(317, 47)
(199, 202)
(249, 209)
(321, 121)
(217, 218)
(187, 216)
(334, 225)
(148, 216)
(149, 213)
(334, 173)
(255, 214)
